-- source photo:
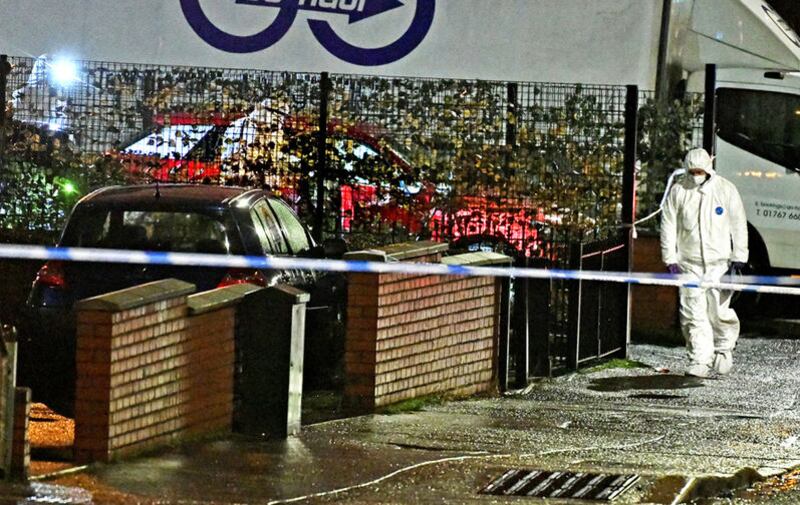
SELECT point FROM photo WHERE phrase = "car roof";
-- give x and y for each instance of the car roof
(169, 195)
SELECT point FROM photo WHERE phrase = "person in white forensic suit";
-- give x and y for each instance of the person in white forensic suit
(704, 234)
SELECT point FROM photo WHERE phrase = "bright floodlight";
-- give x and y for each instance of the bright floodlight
(64, 72)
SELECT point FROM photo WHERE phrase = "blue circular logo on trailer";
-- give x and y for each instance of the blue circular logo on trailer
(354, 10)
(719, 211)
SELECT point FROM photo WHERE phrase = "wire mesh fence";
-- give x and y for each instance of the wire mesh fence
(519, 167)
(666, 132)
(516, 166)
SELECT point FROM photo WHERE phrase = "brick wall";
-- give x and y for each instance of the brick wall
(654, 309)
(15, 407)
(410, 336)
(150, 370)
(21, 442)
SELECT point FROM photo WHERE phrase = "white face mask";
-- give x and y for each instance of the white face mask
(699, 179)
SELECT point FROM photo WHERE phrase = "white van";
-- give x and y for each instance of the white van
(758, 149)
(757, 140)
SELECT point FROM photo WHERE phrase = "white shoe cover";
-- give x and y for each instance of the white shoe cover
(698, 370)
(723, 363)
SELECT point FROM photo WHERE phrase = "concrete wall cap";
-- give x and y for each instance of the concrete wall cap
(367, 255)
(137, 296)
(399, 252)
(411, 250)
(478, 259)
(219, 298)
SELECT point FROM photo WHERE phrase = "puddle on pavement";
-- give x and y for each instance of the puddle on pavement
(702, 490)
(665, 489)
(644, 382)
(38, 492)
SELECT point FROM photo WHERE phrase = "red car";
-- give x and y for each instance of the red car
(188, 148)
(213, 148)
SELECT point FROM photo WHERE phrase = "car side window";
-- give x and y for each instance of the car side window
(295, 231)
(94, 226)
(268, 229)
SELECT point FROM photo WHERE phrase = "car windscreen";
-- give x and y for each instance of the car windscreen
(148, 230)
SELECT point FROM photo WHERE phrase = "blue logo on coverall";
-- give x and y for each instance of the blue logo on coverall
(719, 211)
(356, 10)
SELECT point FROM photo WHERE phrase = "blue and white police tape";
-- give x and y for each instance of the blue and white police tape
(761, 284)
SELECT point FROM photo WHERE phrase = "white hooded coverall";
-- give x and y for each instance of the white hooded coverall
(703, 229)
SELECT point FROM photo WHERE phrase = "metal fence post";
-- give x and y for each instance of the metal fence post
(629, 191)
(5, 70)
(512, 115)
(520, 319)
(629, 159)
(709, 116)
(504, 333)
(321, 168)
(149, 90)
(9, 342)
(574, 308)
(521, 341)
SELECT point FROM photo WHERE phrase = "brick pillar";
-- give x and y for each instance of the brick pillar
(361, 343)
(415, 335)
(93, 386)
(130, 345)
(21, 443)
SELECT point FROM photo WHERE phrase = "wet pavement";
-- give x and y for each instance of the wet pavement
(680, 434)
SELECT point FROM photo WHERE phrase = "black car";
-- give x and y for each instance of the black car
(176, 218)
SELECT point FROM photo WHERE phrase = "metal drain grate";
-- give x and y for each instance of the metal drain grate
(541, 484)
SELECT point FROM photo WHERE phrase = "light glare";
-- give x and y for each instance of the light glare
(64, 72)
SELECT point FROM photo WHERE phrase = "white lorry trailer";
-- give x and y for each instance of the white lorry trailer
(661, 44)
(758, 112)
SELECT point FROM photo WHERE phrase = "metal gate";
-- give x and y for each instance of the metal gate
(598, 311)
(560, 325)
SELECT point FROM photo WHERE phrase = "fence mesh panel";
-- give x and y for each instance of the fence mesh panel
(99, 123)
(487, 164)
(521, 167)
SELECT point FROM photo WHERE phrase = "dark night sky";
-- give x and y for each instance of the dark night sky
(789, 10)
